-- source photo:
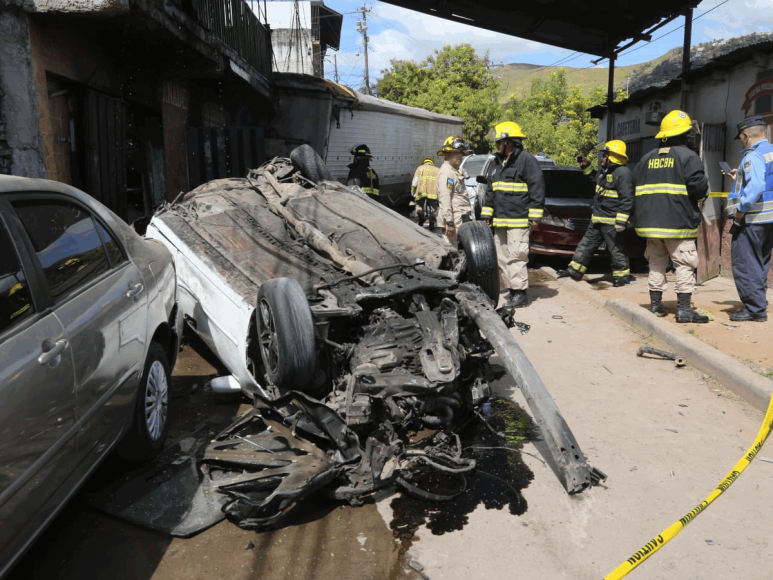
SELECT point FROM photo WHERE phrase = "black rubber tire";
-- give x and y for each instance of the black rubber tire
(310, 164)
(477, 242)
(150, 425)
(285, 333)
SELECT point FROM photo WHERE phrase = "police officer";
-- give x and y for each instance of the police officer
(750, 205)
(424, 191)
(514, 200)
(361, 173)
(453, 199)
(670, 181)
(612, 206)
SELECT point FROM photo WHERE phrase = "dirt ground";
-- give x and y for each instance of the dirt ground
(748, 342)
(664, 436)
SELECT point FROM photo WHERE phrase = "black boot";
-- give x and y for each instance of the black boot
(517, 299)
(656, 304)
(685, 313)
(421, 220)
(570, 272)
(621, 281)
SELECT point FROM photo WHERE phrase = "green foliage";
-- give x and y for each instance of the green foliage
(554, 118)
(453, 81)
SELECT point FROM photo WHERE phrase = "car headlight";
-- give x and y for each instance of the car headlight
(549, 220)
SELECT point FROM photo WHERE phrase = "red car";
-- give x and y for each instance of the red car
(568, 207)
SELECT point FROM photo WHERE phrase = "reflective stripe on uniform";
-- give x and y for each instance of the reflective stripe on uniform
(719, 193)
(669, 188)
(666, 233)
(511, 222)
(588, 170)
(622, 217)
(370, 190)
(620, 273)
(486, 212)
(577, 266)
(536, 213)
(510, 187)
(597, 219)
(761, 213)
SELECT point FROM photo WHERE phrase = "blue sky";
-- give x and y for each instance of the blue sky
(404, 34)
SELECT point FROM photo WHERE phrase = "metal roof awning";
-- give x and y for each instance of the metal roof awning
(329, 22)
(593, 28)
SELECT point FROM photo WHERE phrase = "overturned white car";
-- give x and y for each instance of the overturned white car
(349, 323)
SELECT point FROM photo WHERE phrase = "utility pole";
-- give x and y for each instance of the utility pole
(335, 63)
(362, 26)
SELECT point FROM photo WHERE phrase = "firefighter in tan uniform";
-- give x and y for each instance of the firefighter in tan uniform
(424, 191)
(453, 199)
(670, 183)
(514, 201)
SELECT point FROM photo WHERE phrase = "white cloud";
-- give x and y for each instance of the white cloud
(398, 33)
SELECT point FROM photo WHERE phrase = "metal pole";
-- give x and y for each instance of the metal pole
(686, 58)
(335, 63)
(365, 43)
(610, 98)
(563, 449)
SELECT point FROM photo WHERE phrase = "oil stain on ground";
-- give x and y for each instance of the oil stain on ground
(497, 481)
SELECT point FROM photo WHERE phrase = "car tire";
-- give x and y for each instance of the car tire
(285, 333)
(150, 425)
(310, 164)
(477, 242)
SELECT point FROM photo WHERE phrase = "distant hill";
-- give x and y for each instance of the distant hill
(516, 78)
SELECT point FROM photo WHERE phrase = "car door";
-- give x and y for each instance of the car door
(37, 399)
(100, 298)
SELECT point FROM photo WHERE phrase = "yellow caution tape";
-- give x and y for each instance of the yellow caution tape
(670, 532)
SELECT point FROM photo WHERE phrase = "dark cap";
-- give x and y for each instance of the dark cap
(755, 121)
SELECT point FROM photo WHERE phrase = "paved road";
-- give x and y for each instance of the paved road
(664, 436)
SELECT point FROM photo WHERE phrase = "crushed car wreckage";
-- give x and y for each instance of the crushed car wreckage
(351, 328)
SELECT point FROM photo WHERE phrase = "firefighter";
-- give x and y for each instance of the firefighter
(361, 173)
(514, 201)
(453, 199)
(424, 191)
(750, 205)
(612, 206)
(670, 182)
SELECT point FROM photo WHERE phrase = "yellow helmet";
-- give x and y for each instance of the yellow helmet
(428, 160)
(673, 124)
(505, 130)
(455, 144)
(616, 151)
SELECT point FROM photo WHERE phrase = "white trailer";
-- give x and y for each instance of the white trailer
(333, 118)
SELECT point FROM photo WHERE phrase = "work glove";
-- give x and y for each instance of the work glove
(619, 228)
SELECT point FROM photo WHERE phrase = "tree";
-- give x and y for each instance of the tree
(555, 119)
(453, 81)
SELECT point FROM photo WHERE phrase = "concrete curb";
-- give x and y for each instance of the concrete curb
(733, 375)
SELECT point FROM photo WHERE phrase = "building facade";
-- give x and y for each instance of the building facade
(718, 95)
(132, 101)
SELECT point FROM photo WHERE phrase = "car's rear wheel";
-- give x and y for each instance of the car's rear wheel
(477, 242)
(150, 426)
(285, 333)
(310, 164)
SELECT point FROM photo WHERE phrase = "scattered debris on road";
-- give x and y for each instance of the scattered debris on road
(678, 359)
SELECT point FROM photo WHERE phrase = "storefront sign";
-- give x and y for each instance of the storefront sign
(760, 88)
(627, 128)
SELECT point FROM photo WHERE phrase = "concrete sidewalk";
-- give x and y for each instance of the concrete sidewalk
(696, 342)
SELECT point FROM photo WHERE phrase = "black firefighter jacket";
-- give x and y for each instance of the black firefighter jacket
(613, 202)
(670, 181)
(515, 193)
(362, 174)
